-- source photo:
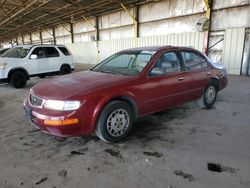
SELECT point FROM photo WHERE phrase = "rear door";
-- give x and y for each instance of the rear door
(164, 91)
(53, 58)
(197, 68)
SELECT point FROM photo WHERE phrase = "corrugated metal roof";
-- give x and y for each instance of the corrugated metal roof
(19, 17)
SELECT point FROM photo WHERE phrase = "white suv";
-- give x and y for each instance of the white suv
(20, 63)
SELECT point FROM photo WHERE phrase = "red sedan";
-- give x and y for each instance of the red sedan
(127, 85)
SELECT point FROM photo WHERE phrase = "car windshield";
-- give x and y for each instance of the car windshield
(16, 52)
(126, 63)
(3, 50)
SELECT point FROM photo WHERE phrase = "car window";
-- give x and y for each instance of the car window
(64, 51)
(168, 63)
(120, 61)
(16, 52)
(39, 51)
(203, 61)
(51, 52)
(191, 60)
(128, 63)
(3, 50)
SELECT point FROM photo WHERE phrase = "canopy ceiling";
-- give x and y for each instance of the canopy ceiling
(18, 17)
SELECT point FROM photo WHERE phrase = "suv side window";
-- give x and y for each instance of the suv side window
(51, 52)
(191, 60)
(64, 51)
(168, 63)
(39, 51)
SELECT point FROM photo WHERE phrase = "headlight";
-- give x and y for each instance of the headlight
(3, 65)
(61, 105)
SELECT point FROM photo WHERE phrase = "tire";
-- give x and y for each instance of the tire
(18, 79)
(110, 127)
(65, 69)
(209, 96)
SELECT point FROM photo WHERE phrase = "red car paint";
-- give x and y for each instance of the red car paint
(94, 89)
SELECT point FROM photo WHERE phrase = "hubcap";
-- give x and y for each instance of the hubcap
(118, 122)
(210, 94)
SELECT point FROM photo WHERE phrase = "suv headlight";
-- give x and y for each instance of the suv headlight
(62, 105)
(3, 65)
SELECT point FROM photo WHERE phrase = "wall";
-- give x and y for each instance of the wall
(158, 21)
(94, 52)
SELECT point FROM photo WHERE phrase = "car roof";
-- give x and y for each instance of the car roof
(45, 45)
(158, 48)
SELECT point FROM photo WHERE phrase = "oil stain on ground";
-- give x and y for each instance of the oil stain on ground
(113, 152)
(153, 154)
(184, 175)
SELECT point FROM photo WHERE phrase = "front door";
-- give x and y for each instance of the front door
(39, 65)
(167, 89)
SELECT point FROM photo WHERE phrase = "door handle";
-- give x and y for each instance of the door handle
(181, 78)
(208, 73)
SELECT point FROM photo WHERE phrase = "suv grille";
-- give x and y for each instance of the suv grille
(35, 101)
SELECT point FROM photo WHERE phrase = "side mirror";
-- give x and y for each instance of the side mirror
(33, 56)
(157, 71)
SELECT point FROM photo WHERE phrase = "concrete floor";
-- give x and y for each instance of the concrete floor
(167, 149)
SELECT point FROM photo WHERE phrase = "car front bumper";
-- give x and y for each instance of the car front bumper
(2, 76)
(38, 117)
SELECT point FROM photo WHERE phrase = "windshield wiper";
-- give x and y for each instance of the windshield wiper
(106, 71)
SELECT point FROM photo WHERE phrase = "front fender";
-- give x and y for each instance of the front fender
(106, 98)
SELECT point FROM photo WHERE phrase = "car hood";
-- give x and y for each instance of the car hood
(8, 60)
(78, 84)
(218, 66)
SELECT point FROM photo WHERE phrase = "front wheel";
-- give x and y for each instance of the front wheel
(18, 79)
(209, 96)
(115, 121)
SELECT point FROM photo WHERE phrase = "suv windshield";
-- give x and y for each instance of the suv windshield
(127, 63)
(16, 52)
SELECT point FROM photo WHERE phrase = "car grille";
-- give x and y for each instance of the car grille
(35, 101)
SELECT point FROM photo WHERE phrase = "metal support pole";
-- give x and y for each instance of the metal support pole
(22, 39)
(41, 37)
(209, 6)
(72, 32)
(31, 42)
(97, 28)
(135, 22)
(54, 35)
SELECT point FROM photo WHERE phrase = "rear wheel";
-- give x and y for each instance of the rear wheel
(65, 69)
(209, 96)
(115, 121)
(18, 79)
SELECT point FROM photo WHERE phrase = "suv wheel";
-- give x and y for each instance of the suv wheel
(115, 121)
(65, 69)
(18, 79)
